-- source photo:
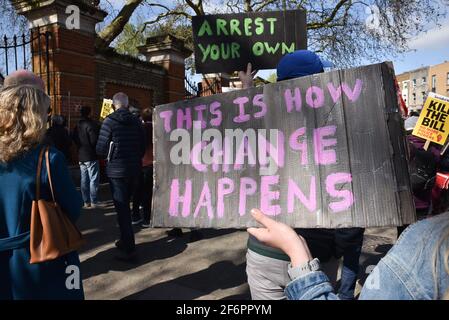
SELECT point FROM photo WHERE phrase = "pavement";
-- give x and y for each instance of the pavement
(175, 268)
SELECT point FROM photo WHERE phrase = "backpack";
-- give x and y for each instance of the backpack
(423, 169)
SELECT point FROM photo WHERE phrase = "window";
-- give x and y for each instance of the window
(434, 83)
(447, 81)
(405, 86)
(424, 79)
(414, 97)
(423, 95)
(414, 82)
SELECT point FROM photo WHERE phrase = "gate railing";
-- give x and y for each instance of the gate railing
(27, 51)
(193, 90)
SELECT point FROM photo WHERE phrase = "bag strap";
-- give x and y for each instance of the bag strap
(38, 174)
(47, 162)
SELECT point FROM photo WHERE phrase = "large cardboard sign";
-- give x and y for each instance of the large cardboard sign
(227, 42)
(433, 122)
(326, 150)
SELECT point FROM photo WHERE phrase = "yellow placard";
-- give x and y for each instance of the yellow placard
(106, 108)
(433, 122)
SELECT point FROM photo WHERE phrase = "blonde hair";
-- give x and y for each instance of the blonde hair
(23, 117)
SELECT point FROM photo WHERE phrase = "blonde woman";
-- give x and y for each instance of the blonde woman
(416, 268)
(23, 117)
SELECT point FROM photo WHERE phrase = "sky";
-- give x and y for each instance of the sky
(429, 48)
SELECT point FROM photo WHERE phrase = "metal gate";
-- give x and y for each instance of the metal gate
(193, 90)
(32, 51)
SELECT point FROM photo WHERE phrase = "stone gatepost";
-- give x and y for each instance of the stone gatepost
(170, 53)
(72, 49)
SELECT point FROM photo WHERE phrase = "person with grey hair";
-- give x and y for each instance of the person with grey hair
(120, 100)
(121, 142)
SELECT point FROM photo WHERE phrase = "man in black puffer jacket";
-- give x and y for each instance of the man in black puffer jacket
(121, 142)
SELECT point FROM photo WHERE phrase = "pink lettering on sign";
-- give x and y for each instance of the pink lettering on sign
(176, 198)
(205, 200)
(346, 196)
(166, 116)
(215, 110)
(295, 144)
(353, 94)
(248, 187)
(322, 155)
(184, 117)
(295, 192)
(265, 148)
(244, 150)
(316, 92)
(267, 196)
(258, 101)
(293, 99)
(335, 93)
(200, 110)
(195, 156)
(225, 187)
(242, 117)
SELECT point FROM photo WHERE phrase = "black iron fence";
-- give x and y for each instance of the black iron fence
(193, 90)
(32, 51)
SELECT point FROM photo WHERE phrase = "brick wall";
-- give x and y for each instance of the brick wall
(141, 81)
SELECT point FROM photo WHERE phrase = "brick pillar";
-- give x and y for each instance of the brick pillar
(72, 51)
(170, 53)
(212, 83)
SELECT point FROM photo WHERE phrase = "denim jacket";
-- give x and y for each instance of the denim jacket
(405, 273)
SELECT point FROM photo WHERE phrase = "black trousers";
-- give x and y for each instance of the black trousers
(143, 193)
(121, 189)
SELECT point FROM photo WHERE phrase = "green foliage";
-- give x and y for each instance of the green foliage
(128, 41)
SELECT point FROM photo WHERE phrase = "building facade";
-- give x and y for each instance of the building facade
(416, 84)
(439, 78)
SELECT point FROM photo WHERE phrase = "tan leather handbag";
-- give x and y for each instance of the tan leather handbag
(52, 234)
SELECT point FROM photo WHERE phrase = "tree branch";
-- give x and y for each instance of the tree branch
(264, 4)
(111, 31)
(196, 7)
(331, 17)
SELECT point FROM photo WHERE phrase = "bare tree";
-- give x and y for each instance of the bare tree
(345, 31)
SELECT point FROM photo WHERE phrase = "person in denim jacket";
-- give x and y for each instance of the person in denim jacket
(416, 268)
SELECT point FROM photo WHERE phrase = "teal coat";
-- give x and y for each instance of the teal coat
(18, 278)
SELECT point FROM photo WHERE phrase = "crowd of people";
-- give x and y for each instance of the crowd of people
(281, 262)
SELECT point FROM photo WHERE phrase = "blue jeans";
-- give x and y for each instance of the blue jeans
(122, 189)
(90, 179)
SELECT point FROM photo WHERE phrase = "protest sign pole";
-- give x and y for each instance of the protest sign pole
(426, 145)
(444, 149)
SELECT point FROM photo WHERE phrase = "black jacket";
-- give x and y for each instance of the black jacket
(85, 136)
(57, 136)
(125, 152)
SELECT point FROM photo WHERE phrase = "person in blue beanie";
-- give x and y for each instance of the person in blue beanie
(267, 267)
